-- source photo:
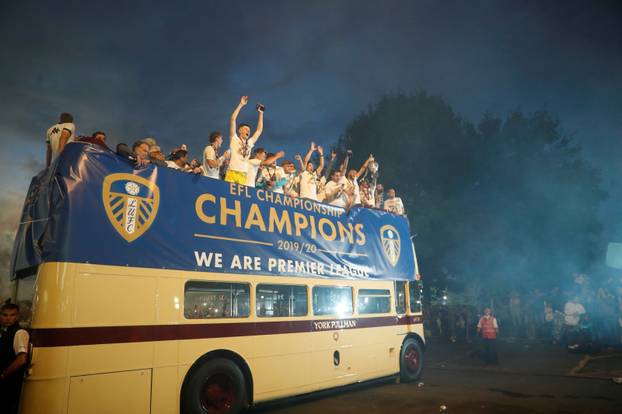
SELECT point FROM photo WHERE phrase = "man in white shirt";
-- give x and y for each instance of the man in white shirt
(290, 178)
(211, 161)
(309, 176)
(393, 204)
(260, 158)
(353, 178)
(13, 358)
(337, 192)
(240, 144)
(573, 311)
(59, 135)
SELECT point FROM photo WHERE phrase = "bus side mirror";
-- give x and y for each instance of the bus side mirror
(614, 255)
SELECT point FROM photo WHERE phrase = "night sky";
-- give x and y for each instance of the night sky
(175, 71)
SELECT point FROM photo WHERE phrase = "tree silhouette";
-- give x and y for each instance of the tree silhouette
(509, 201)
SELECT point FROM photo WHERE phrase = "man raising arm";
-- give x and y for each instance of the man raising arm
(241, 143)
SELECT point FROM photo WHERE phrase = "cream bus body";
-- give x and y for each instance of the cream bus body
(110, 339)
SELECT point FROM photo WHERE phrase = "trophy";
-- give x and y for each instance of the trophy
(373, 168)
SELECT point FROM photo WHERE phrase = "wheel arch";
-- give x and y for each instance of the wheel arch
(417, 338)
(227, 354)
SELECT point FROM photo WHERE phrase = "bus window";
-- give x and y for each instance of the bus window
(332, 300)
(416, 297)
(281, 300)
(400, 297)
(216, 300)
(374, 301)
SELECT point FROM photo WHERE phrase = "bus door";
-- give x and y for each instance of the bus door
(332, 343)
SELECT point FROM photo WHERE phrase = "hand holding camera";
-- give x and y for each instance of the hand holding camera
(261, 107)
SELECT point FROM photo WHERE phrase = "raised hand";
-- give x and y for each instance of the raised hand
(243, 100)
(280, 154)
(312, 147)
(333, 154)
(298, 157)
(320, 150)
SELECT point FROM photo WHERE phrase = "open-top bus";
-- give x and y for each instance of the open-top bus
(157, 291)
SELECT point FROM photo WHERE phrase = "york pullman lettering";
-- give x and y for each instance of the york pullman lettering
(334, 324)
(226, 212)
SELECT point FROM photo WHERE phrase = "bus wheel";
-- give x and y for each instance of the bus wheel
(411, 360)
(216, 387)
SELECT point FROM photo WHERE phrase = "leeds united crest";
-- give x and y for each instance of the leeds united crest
(131, 204)
(390, 243)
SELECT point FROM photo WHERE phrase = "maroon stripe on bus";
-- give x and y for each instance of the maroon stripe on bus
(48, 337)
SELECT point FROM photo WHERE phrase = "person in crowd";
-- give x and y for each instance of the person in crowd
(98, 138)
(211, 161)
(353, 179)
(139, 153)
(488, 328)
(321, 185)
(290, 178)
(57, 136)
(310, 176)
(393, 204)
(151, 141)
(241, 143)
(179, 161)
(13, 358)
(271, 176)
(156, 156)
(260, 159)
(337, 193)
(379, 196)
(331, 163)
(573, 312)
(367, 195)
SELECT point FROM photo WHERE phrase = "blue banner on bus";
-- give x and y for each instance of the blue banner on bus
(93, 207)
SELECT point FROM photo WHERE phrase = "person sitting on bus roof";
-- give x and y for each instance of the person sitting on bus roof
(98, 138)
(309, 176)
(179, 161)
(260, 159)
(393, 204)
(337, 192)
(241, 143)
(156, 156)
(57, 136)
(211, 161)
(139, 153)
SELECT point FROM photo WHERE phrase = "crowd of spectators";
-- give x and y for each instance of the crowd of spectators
(584, 315)
(310, 177)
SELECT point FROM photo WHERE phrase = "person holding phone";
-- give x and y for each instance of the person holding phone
(241, 143)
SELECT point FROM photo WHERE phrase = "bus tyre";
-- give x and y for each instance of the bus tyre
(411, 360)
(216, 387)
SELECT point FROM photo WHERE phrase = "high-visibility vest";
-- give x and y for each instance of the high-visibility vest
(488, 327)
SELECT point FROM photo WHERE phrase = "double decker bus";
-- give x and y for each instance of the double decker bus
(157, 291)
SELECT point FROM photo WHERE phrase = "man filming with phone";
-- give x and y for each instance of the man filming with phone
(240, 144)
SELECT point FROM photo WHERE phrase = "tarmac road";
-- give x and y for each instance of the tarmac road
(532, 378)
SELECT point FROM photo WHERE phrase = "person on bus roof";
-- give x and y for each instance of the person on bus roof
(241, 143)
(59, 135)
